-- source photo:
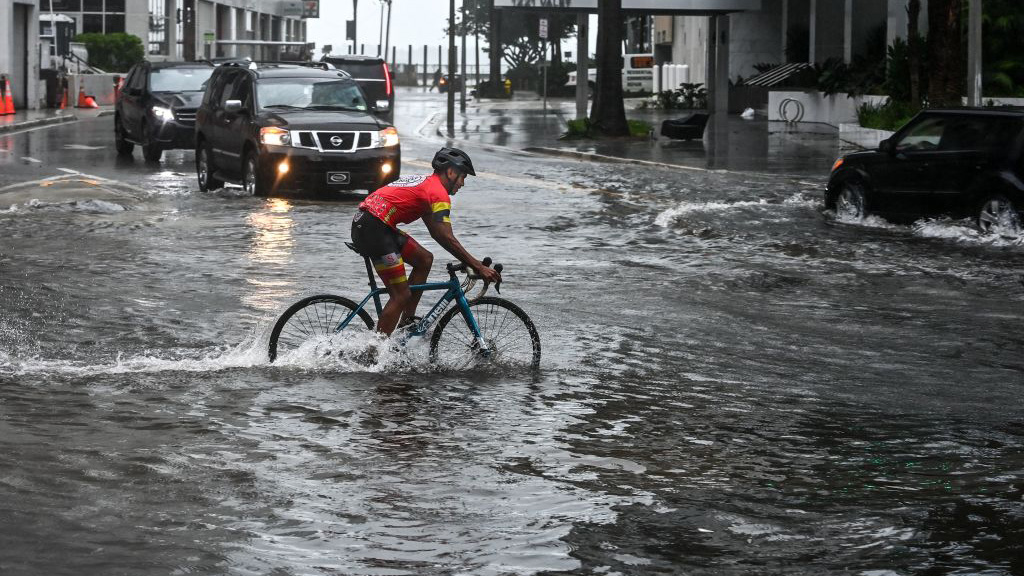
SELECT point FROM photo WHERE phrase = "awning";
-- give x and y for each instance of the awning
(665, 7)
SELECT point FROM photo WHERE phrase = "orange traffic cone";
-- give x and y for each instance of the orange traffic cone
(64, 98)
(7, 103)
(85, 101)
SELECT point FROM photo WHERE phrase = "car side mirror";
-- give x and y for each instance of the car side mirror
(382, 106)
(233, 106)
(886, 146)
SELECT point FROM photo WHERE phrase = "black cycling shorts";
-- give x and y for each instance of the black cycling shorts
(384, 245)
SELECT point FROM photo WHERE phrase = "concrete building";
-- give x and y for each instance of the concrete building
(259, 29)
(784, 31)
(19, 50)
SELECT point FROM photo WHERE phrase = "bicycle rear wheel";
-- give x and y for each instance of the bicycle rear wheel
(508, 332)
(313, 318)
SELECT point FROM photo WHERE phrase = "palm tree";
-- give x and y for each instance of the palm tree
(608, 113)
(945, 53)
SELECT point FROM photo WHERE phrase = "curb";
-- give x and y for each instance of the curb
(36, 123)
(592, 157)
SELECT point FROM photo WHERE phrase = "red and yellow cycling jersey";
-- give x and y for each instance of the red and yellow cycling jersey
(408, 199)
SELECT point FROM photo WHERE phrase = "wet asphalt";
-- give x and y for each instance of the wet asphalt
(732, 381)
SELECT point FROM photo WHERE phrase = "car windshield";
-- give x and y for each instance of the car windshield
(179, 79)
(310, 93)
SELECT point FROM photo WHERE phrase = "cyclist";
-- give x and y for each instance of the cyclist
(375, 232)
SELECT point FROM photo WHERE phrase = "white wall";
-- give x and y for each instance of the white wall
(20, 41)
(754, 37)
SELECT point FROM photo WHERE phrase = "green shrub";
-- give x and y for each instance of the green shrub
(113, 52)
(889, 116)
(583, 128)
(638, 128)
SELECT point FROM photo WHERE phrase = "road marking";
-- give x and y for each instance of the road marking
(82, 147)
(68, 170)
(31, 159)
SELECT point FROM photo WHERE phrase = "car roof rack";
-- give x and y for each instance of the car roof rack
(306, 63)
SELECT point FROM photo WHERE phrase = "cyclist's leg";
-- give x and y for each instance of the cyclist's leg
(383, 245)
(421, 260)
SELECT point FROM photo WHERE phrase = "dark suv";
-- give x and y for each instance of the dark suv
(156, 107)
(275, 127)
(374, 78)
(956, 162)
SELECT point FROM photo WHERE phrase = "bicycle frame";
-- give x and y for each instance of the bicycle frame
(453, 291)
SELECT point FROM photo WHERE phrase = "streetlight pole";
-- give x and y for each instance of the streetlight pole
(451, 68)
(462, 85)
(380, 38)
(355, 20)
(387, 37)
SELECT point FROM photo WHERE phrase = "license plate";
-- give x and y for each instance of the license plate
(338, 177)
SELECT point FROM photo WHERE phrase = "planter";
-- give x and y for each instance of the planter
(813, 106)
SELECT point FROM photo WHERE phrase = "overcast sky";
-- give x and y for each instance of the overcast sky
(415, 22)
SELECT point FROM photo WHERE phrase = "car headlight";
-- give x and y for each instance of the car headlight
(275, 136)
(388, 137)
(163, 114)
(838, 163)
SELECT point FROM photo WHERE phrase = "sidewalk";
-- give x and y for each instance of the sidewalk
(737, 145)
(25, 119)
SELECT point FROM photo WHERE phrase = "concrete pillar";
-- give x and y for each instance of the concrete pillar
(721, 92)
(974, 53)
(171, 29)
(785, 28)
(812, 25)
(848, 32)
(232, 49)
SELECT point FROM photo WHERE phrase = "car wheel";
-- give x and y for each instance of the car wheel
(998, 215)
(151, 151)
(124, 147)
(204, 169)
(850, 201)
(251, 180)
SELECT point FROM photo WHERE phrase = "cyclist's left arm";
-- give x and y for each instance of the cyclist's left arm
(440, 229)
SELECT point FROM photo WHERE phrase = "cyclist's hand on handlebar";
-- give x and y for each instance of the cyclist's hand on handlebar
(488, 275)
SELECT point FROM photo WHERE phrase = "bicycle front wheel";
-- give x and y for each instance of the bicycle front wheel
(312, 318)
(509, 335)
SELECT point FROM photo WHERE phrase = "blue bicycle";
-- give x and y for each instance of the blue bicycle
(492, 330)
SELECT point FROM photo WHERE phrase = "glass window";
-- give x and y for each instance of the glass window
(61, 5)
(92, 23)
(138, 79)
(923, 136)
(115, 5)
(359, 70)
(179, 79)
(323, 93)
(229, 87)
(92, 5)
(979, 133)
(114, 23)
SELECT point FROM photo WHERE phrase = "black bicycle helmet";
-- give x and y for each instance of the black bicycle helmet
(453, 158)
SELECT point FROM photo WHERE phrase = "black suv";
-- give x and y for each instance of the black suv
(156, 107)
(273, 127)
(956, 162)
(374, 78)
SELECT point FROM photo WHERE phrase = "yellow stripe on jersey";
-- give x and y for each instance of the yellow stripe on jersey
(440, 206)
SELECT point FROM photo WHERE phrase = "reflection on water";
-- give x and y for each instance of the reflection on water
(271, 249)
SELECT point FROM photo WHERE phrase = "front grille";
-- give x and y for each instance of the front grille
(185, 116)
(336, 141)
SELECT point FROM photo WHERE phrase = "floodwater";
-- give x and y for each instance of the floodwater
(732, 382)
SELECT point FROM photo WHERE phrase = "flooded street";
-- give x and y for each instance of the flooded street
(732, 382)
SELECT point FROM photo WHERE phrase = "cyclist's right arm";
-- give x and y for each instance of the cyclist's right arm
(442, 232)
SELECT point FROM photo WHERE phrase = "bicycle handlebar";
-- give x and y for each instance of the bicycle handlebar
(471, 278)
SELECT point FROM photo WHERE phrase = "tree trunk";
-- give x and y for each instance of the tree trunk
(609, 111)
(496, 50)
(945, 53)
(914, 50)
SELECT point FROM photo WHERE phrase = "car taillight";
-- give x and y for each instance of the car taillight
(387, 80)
